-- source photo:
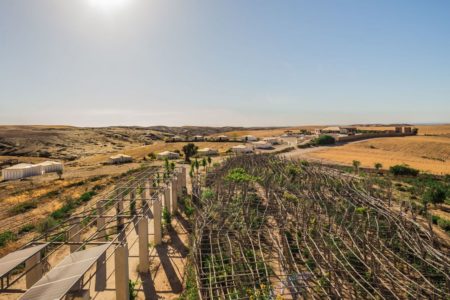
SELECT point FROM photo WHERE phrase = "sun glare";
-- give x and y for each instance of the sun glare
(108, 5)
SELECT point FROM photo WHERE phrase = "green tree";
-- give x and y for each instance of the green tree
(356, 165)
(435, 194)
(209, 161)
(189, 150)
(378, 166)
(204, 163)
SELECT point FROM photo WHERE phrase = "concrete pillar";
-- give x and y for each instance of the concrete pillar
(133, 201)
(120, 222)
(183, 177)
(167, 198)
(34, 274)
(121, 272)
(157, 220)
(179, 184)
(100, 222)
(74, 234)
(173, 195)
(143, 245)
(100, 274)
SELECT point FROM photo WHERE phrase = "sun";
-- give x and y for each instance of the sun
(108, 5)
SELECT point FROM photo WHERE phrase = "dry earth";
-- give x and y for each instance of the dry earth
(427, 153)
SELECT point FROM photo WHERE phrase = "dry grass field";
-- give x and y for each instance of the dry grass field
(427, 153)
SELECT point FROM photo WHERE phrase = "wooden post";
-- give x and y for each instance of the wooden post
(33, 274)
(100, 222)
(157, 220)
(183, 177)
(143, 245)
(121, 272)
(120, 223)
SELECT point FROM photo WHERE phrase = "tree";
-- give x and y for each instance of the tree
(356, 164)
(403, 170)
(60, 174)
(204, 163)
(436, 194)
(209, 161)
(189, 150)
(378, 166)
(324, 140)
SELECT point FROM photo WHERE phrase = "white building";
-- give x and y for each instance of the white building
(21, 171)
(272, 140)
(120, 159)
(262, 145)
(221, 138)
(249, 138)
(168, 155)
(199, 138)
(51, 166)
(241, 149)
(207, 152)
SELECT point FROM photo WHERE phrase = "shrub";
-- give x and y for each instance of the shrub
(46, 224)
(26, 228)
(436, 194)
(6, 237)
(88, 195)
(23, 207)
(167, 217)
(444, 224)
(435, 219)
(403, 170)
(324, 140)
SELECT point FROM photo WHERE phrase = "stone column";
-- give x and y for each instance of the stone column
(167, 198)
(143, 245)
(33, 274)
(183, 177)
(157, 220)
(120, 223)
(173, 195)
(74, 234)
(100, 274)
(100, 222)
(121, 272)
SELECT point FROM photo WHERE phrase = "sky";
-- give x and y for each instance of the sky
(224, 62)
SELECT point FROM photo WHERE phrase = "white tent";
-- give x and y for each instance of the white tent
(207, 152)
(168, 155)
(262, 145)
(241, 149)
(120, 159)
(21, 171)
(51, 166)
(249, 138)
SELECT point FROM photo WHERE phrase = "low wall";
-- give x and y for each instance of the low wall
(365, 136)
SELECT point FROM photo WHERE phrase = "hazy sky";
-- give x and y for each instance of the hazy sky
(228, 62)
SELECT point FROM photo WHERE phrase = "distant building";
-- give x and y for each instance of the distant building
(407, 130)
(262, 145)
(207, 152)
(21, 171)
(222, 138)
(175, 138)
(241, 149)
(120, 159)
(338, 130)
(51, 166)
(249, 138)
(198, 138)
(168, 155)
(272, 140)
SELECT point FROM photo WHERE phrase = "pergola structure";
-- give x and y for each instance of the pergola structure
(73, 256)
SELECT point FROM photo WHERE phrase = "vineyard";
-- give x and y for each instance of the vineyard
(268, 228)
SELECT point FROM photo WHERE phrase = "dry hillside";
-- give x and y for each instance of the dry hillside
(427, 153)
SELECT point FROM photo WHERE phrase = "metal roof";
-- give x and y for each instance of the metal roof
(12, 260)
(56, 283)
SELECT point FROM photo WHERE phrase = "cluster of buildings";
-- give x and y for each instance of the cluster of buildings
(24, 170)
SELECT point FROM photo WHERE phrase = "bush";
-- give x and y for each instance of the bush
(435, 219)
(403, 170)
(436, 194)
(444, 224)
(324, 140)
(87, 196)
(22, 207)
(6, 237)
(26, 228)
(46, 224)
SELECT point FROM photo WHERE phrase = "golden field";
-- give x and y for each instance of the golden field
(426, 153)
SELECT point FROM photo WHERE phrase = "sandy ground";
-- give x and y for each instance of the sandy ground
(426, 153)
